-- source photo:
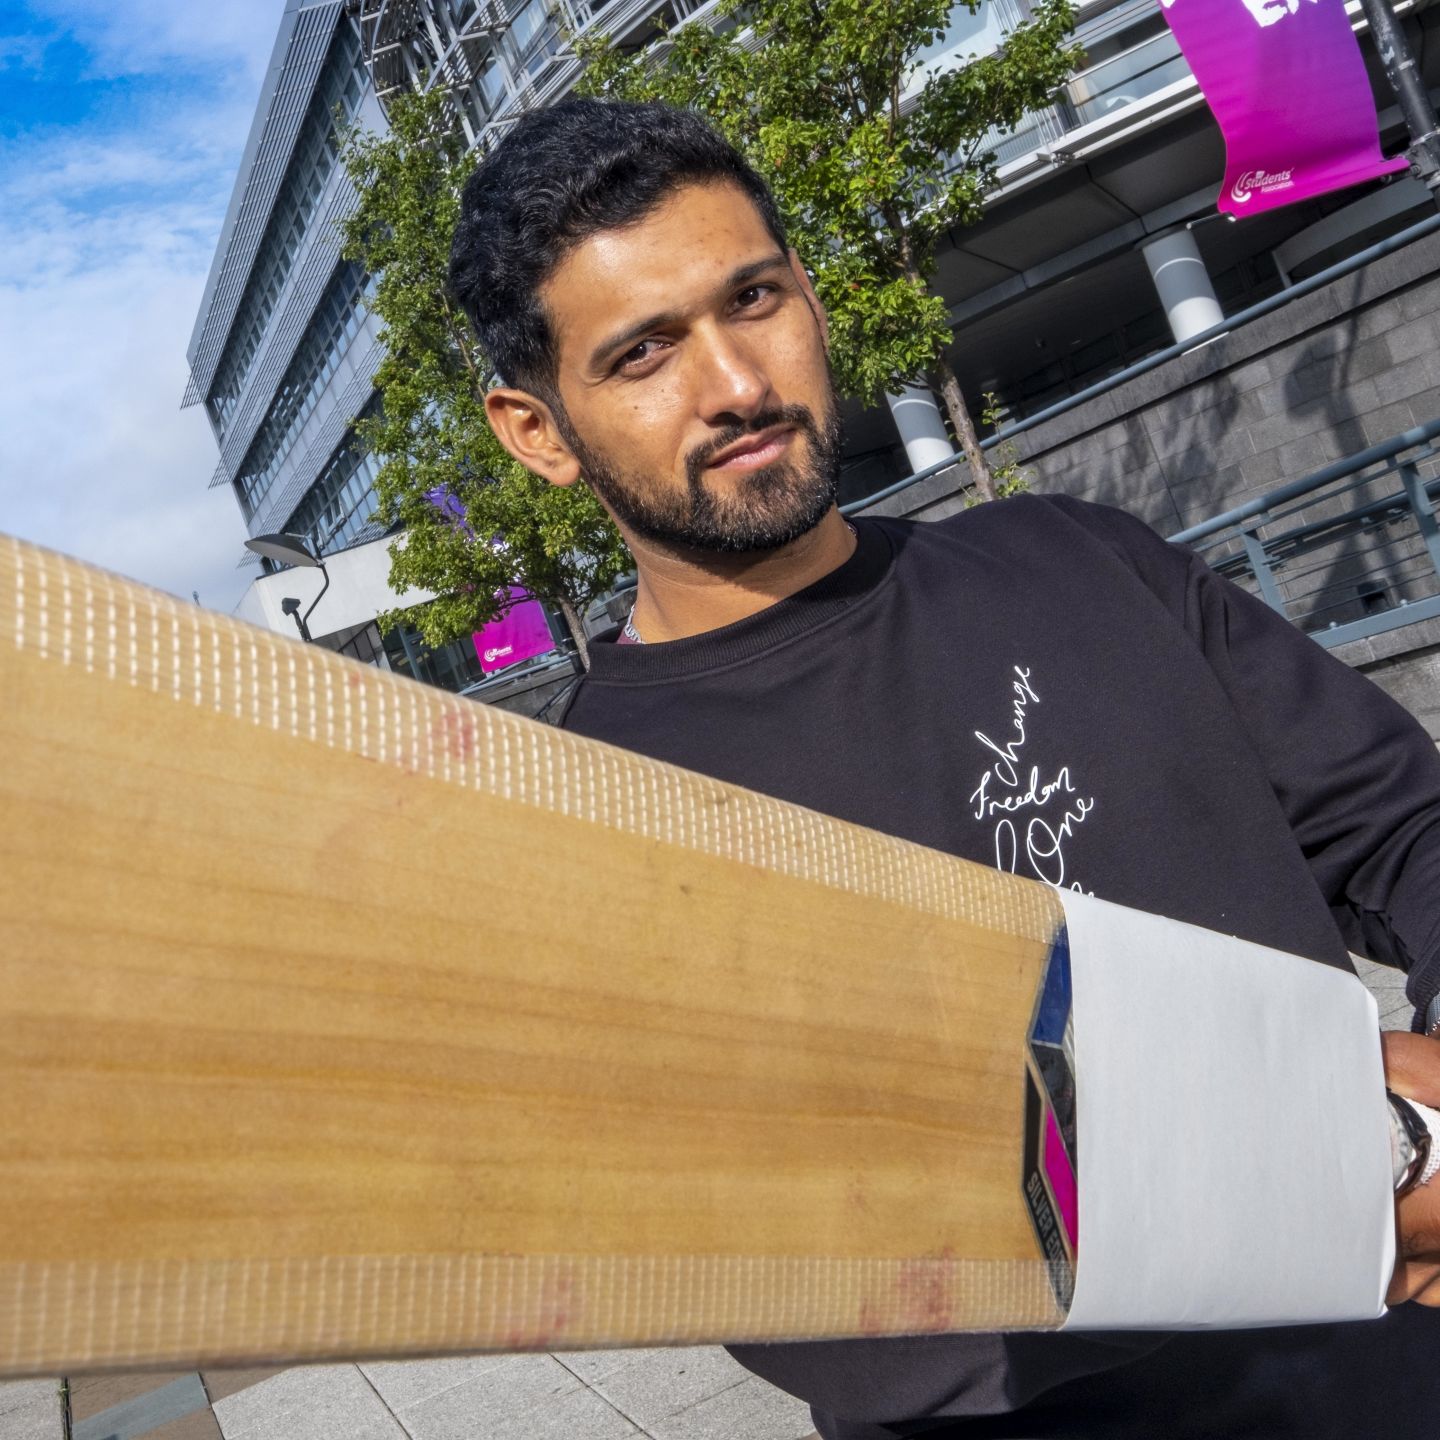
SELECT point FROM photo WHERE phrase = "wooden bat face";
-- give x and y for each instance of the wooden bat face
(341, 1016)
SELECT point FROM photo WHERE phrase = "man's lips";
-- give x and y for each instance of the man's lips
(754, 451)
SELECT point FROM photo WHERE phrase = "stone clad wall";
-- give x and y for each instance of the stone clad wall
(1317, 380)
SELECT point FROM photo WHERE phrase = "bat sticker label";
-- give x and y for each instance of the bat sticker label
(1051, 1190)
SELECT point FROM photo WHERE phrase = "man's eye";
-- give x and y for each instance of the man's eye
(753, 295)
(636, 355)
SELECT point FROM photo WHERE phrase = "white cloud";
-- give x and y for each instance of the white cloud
(99, 460)
(140, 37)
(21, 52)
(106, 236)
(66, 169)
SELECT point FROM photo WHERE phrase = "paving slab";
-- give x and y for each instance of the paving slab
(658, 1384)
(90, 1394)
(751, 1410)
(404, 1383)
(1387, 985)
(530, 1397)
(142, 1414)
(593, 1365)
(315, 1402)
(30, 1410)
(199, 1426)
(220, 1383)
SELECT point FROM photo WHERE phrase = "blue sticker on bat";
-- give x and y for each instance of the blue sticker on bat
(1052, 1013)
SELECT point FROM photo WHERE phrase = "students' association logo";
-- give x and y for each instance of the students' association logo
(496, 652)
(1260, 182)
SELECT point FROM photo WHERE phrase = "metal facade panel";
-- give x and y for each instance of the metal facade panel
(305, 467)
(259, 183)
(268, 85)
(303, 288)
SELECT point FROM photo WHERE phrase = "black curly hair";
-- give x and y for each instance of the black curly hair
(561, 175)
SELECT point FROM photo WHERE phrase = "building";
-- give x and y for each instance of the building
(283, 351)
(1051, 292)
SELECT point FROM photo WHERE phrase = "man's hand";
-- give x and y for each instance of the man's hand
(1412, 1069)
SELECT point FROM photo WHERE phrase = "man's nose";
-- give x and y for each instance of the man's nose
(731, 381)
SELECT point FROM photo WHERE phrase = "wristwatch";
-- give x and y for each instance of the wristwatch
(1409, 1142)
(1432, 1016)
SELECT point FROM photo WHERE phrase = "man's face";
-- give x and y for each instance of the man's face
(692, 373)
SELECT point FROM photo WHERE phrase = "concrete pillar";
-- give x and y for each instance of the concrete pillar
(1183, 282)
(921, 426)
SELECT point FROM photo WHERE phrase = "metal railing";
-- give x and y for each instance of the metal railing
(1345, 553)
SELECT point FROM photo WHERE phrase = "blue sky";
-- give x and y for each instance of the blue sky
(121, 127)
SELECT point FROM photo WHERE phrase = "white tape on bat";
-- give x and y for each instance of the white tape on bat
(1233, 1132)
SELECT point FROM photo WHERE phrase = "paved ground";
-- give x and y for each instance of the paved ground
(695, 1394)
(1388, 988)
(698, 1394)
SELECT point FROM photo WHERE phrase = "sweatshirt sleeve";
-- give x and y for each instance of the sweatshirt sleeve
(1356, 775)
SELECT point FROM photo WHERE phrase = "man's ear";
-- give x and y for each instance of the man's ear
(816, 308)
(525, 426)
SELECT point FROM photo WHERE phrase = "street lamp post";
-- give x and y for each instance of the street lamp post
(1409, 86)
(292, 550)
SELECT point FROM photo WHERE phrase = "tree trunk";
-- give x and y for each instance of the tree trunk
(577, 631)
(949, 388)
(949, 385)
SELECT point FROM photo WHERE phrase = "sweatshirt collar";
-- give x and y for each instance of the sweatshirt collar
(787, 619)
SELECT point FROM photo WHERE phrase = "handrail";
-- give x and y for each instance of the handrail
(1336, 470)
(1322, 555)
(1257, 311)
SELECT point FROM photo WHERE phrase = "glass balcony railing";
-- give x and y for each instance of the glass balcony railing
(1131, 59)
(501, 57)
(1100, 90)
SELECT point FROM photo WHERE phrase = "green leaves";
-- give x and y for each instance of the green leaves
(523, 533)
(871, 154)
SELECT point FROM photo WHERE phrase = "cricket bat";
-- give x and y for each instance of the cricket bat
(341, 1017)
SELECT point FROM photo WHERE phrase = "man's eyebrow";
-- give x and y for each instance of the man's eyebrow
(623, 339)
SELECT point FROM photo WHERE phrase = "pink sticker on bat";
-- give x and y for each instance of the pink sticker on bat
(1061, 1175)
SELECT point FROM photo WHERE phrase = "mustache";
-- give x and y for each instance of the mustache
(797, 415)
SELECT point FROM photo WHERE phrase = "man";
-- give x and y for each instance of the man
(1041, 685)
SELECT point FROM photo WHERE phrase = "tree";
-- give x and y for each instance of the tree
(871, 155)
(477, 525)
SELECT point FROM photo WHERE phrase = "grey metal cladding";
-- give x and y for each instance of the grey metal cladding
(303, 288)
(239, 192)
(267, 155)
(285, 496)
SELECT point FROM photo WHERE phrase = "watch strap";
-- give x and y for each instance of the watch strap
(1432, 1161)
(1415, 1142)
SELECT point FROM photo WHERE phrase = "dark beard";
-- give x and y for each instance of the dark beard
(768, 508)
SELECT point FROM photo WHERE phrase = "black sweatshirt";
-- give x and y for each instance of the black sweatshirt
(1047, 686)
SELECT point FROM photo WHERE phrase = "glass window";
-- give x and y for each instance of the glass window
(526, 26)
(314, 362)
(492, 83)
(451, 667)
(333, 513)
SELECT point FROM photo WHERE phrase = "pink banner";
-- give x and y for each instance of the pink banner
(521, 633)
(1287, 84)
